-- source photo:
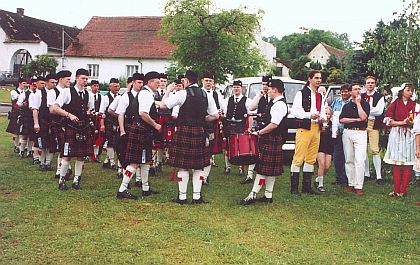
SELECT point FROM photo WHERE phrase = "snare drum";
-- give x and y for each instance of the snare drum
(243, 149)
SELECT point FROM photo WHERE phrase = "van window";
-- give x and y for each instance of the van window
(290, 90)
(254, 89)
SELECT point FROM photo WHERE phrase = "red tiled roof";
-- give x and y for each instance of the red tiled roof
(340, 54)
(121, 37)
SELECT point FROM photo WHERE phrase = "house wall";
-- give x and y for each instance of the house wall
(112, 67)
(8, 50)
(320, 54)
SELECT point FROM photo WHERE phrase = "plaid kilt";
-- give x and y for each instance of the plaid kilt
(270, 155)
(188, 150)
(26, 124)
(111, 131)
(139, 144)
(56, 137)
(71, 147)
(13, 126)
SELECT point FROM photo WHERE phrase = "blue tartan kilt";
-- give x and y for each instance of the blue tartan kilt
(270, 155)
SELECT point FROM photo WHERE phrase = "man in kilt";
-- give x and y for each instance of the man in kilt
(269, 164)
(140, 135)
(25, 122)
(13, 127)
(189, 149)
(98, 139)
(56, 128)
(109, 124)
(75, 103)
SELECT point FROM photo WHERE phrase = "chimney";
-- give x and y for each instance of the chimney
(20, 11)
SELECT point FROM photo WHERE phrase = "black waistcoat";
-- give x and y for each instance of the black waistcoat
(194, 110)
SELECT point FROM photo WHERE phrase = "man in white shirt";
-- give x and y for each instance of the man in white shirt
(25, 121)
(13, 127)
(140, 135)
(269, 165)
(98, 137)
(76, 104)
(189, 150)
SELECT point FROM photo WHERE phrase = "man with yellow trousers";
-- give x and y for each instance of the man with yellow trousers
(309, 111)
(375, 122)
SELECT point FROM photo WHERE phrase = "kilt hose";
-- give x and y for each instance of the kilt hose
(71, 147)
(270, 155)
(13, 126)
(188, 149)
(139, 144)
(111, 131)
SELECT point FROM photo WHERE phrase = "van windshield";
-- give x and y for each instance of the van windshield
(290, 90)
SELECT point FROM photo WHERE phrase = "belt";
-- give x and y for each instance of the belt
(356, 129)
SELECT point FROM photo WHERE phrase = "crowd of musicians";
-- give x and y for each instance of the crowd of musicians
(184, 125)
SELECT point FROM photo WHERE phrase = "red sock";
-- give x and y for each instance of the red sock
(406, 176)
(397, 172)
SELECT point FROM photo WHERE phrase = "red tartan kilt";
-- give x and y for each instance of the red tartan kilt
(42, 138)
(270, 156)
(56, 138)
(188, 148)
(13, 126)
(26, 125)
(139, 144)
(110, 134)
(73, 148)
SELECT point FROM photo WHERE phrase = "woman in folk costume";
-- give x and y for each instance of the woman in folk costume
(401, 150)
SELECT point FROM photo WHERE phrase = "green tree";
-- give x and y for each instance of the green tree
(394, 48)
(298, 69)
(315, 65)
(206, 40)
(335, 76)
(42, 65)
(355, 66)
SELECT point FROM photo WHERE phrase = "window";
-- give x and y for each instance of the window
(131, 69)
(93, 70)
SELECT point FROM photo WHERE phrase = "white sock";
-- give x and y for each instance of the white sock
(367, 172)
(30, 145)
(258, 183)
(198, 176)
(23, 144)
(128, 174)
(35, 153)
(250, 174)
(95, 150)
(308, 167)
(111, 155)
(58, 164)
(16, 141)
(206, 171)
(138, 174)
(320, 181)
(48, 157)
(144, 169)
(377, 165)
(63, 170)
(159, 156)
(43, 156)
(295, 169)
(269, 186)
(78, 168)
(183, 177)
(227, 164)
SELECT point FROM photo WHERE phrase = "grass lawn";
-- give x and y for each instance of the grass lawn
(41, 225)
(5, 94)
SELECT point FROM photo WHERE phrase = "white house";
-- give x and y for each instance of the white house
(322, 52)
(22, 38)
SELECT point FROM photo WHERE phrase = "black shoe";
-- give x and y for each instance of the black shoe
(113, 166)
(181, 202)
(149, 192)
(35, 161)
(97, 160)
(17, 150)
(30, 154)
(368, 178)
(264, 199)
(62, 186)
(76, 186)
(120, 175)
(380, 182)
(241, 172)
(106, 165)
(199, 201)
(320, 189)
(247, 201)
(247, 181)
(152, 171)
(138, 184)
(227, 170)
(22, 155)
(316, 183)
(306, 184)
(126, 195)
(42, 167)
(48, 167)
(57, 176)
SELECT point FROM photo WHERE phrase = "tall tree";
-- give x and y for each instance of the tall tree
(42, 65)
(207, 40)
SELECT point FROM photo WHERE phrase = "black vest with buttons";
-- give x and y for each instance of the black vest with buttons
(76, 106)
(98, 101)
(132, 109)
(379, 120)
(237, 110)
(194, 110)
(262, 105)
(281, 129)
(44, 112)
(152, 113)
(216, 99)
(306, 105)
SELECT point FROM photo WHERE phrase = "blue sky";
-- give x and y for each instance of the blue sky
(281, 17)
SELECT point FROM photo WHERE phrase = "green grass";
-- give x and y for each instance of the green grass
(5, 94)
(41, 225)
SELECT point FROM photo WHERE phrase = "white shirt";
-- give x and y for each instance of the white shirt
(35, 99)
(179, 99)
(14, 94)
(65, 98)
(123, 103)
(278, 111)
(146, 99)
(105, 102)
(416, 126)
(297, 110)
(52, 96)
(222, 101)
(247, 103)
(114, 104)
(378, 110)
(21, 98)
